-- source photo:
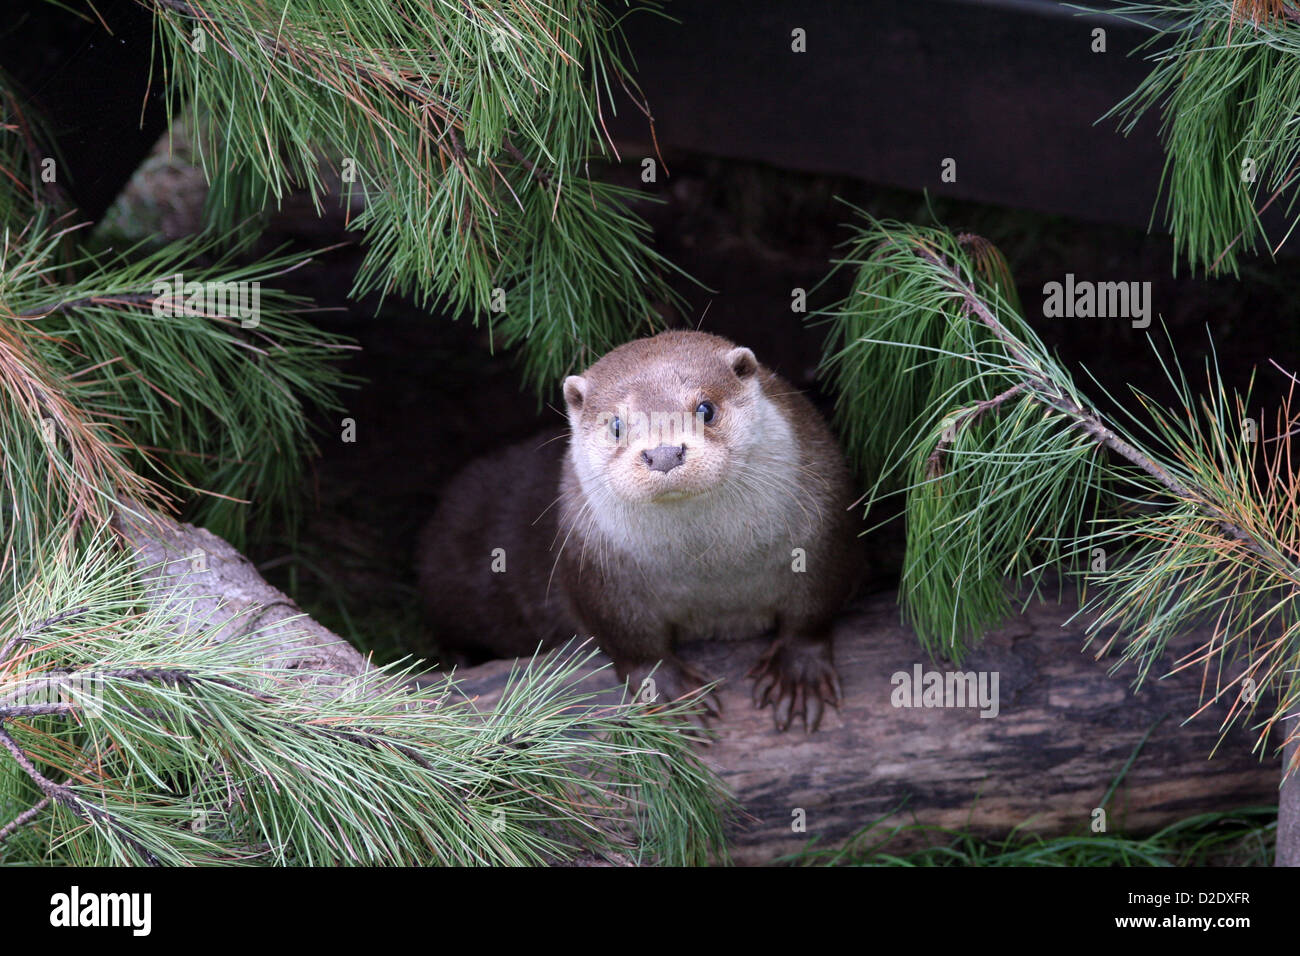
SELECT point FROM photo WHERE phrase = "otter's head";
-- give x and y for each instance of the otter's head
(664, 418)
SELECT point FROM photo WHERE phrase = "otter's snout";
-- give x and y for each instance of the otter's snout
(664, 458)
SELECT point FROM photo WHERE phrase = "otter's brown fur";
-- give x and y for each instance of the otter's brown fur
(738, 528)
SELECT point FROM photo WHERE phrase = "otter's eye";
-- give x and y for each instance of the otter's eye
(616, 427)
(706, 411)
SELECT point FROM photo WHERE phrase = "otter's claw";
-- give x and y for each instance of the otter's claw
(797, 678)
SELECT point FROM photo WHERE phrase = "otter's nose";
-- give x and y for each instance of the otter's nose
(664, 458)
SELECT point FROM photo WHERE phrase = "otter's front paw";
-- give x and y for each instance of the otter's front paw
(671, 680)
(796, 677)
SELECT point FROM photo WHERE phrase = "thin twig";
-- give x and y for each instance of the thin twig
(24, 818)
(68, 797)
(968, 416)
(523, 160)
(141, 298)
(36, 628)
(14, 711)
(54, 192)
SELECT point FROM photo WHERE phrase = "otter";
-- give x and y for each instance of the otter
(699, 496)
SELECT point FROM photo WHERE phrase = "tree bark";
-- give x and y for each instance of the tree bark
(206, 582)
(1288, 813)
(1064, 730)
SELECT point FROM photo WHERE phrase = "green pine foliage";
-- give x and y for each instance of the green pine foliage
(110, 402)
(1226, 79)
(122, 742)
(957, 418)
(468, 131)
(1168, 519)
(150, 407)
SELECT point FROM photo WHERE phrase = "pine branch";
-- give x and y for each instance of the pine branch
(997, 490)
(468, 128)
(118, 400)
(1051, 394)
(67, 797)
(72, 305)
(1220, 84)
(31, 631)
(180, 747)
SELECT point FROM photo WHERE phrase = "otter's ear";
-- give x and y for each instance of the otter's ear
(575, 392)
(742, 362)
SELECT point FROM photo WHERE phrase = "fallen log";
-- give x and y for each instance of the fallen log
(1063, 731)
(1064, 728)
